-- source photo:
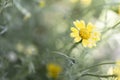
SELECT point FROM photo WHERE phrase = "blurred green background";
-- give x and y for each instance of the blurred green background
(34, 33)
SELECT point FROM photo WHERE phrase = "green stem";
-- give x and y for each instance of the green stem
(114, 26)
(73, 46)
(66, 56)
(90, 67)
(95, 75)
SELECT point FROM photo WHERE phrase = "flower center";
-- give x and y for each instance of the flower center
(84, 33)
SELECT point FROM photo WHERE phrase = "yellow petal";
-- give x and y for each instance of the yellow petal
(73, 29)
(77, 39)
(88, 43)
(74, 34)
(118, 78)
(84, 42)
(79, 24)
(96, 36)
(118, 63)
(110, 71)
(90, 27)
(116, 70)
(94, 44)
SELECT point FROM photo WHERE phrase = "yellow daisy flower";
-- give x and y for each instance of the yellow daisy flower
(87, 35)
(53, 70)
(116, 71)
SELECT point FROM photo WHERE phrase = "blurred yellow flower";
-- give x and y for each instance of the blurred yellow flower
(119, 9)
(74, 1)
(118, 63)
(116, 9)
(87, 35)
(53, 70)
(27, 16)
(42, 4)
(31, 50)
(86, 2)
(110, 71)
(115, 71)
(20, 47)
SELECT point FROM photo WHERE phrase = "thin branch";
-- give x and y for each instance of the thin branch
(72, 60)
(3, 30)
(73, 46)
(95, 75)
(90, 67)
(114, 26)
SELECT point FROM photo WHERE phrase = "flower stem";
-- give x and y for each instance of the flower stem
(95, 75)
(90, 67)
(73, 46)
(66, 56)
(114, 26)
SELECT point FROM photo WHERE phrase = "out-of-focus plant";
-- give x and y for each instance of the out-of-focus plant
(53, 70)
